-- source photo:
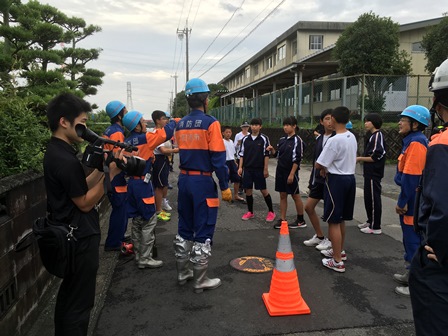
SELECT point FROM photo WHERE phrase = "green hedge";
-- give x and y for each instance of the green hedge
(23, 137)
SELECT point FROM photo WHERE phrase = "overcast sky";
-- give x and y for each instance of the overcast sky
(140, 44)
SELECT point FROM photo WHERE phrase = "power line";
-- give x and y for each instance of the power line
(208, 62)
(225, 25)
(270, 13)
(196, 14)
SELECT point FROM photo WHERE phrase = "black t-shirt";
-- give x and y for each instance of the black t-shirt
(65, 179)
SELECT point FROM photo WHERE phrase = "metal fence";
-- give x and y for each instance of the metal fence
(388, 95)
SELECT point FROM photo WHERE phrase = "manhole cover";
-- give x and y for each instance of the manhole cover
(252, 264)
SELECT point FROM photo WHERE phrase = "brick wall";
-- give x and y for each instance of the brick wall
(23, 279)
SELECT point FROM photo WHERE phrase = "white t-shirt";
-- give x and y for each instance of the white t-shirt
(239, 136)
(167, 144)
(339, 154)
(230, 150)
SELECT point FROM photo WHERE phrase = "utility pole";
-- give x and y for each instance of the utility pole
(129, 103)
(180, 34)
(175, 92)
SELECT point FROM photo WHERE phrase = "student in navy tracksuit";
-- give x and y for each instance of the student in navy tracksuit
(201, 152)
(118, 220)
(141, 201)
(316, 185)
(428, 279)
(289, 156)
(374, 160)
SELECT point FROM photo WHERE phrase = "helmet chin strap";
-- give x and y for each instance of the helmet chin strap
(434, 112)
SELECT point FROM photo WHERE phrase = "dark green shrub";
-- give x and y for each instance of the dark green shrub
(23, 137)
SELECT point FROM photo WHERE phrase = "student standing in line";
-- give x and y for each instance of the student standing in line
(161, 169)
(316, 185)
(237, 143)
(289, 156)
(254, 160)
(231, 163)
(411, 162)
(374, 160)
(337, 163)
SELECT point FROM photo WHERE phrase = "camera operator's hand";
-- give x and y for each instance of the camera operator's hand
(113, 168)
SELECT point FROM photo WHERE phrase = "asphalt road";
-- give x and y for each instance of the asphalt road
(360, 301)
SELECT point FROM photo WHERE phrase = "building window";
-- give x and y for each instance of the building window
(335, 94)
(316, 42)
(417, 47)
(294, 48)
(247, 72)
(281, 52)
(256, 69)
(269, 63)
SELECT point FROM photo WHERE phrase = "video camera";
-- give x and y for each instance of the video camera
(94, 153)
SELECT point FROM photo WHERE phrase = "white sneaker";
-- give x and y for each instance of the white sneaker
(332, 264)
(364, 225)
(165, 205)
(369, 230)
(325, 244)
(403, 290)
(330, 254)
(313, 241)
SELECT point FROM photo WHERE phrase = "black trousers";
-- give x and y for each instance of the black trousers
(428, 284)
(372, 202)
(76, 295)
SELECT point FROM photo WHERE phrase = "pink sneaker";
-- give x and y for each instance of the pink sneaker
(248, 215)
(270, 217)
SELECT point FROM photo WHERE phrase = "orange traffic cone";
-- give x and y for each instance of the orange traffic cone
(284, 296)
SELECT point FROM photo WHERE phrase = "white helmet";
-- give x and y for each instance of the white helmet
(440, 80)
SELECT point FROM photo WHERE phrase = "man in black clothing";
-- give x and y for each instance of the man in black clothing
(71, 199)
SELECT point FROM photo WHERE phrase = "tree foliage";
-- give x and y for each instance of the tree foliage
(435, 43)
(33, 57)
(23, 137)
(371, 46)
(40, 57)
(180, 105)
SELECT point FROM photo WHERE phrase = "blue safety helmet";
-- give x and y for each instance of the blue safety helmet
(196, 85)
(349, 125)
(131, 119)
(113, 108)
(418, 113)
(168, 115)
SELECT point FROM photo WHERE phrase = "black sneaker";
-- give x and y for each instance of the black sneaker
(278, 225)
(297, 224)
